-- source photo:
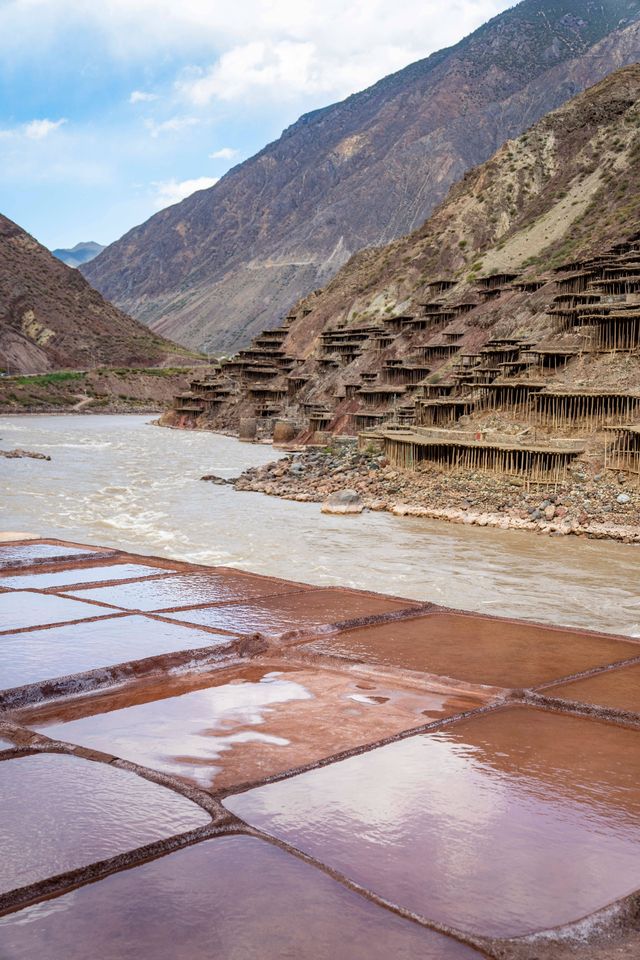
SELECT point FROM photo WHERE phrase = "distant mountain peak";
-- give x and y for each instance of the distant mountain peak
(83, 252)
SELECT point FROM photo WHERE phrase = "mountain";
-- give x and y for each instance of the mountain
(525, 280)
(213, 270)
(81, 253)
(50, 318)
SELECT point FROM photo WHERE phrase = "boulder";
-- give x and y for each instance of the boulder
(19, 454)
(248, 428)
(343, 501)
(284, 431)
(213, 478)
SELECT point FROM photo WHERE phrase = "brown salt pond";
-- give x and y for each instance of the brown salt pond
(20, 610)
(308, 610)
(220, 586)
(234, 897)
(239, 725)
(39, 655)
(76, 575)
(510, 822)
(504, 653)
(616, 689)
(61, 812)
(28, 554)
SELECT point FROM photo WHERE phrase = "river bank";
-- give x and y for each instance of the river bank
(596, 506)
(103, 390)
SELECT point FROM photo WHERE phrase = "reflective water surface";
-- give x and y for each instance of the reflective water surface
(619, 689)
(61, 812)
(27, 555)
(65, 578)
(183, 590)
(230, 897)
(38, 655)
(510, 822)
(119, 482)
(297, 611)
(239, 725)
(478, 650)
(19, 610)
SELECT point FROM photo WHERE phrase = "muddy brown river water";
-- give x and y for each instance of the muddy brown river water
(116, 480)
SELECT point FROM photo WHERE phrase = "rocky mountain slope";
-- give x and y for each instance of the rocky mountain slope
(227, 261)
(529, 271)
(489, 362)
(81, 253)
(50, 318)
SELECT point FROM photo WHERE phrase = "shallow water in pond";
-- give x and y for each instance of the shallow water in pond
(28, 555)
(308, 610)
(38, 655)
(479, 650)
(65, 578)
(186, 590)
(20, 610)
(229, 897)
(61, 812)
(116, 481)
(618, 689)
(241, 725)
(502, 824)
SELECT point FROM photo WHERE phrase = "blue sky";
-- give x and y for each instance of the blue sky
(112, 109)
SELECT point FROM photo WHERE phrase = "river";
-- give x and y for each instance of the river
(119, 481)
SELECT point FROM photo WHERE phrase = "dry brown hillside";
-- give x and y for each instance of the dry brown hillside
(529, 271)
(51, 318)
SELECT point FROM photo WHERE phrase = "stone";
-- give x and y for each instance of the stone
(408, 510)
(19, 454)
(342, 502)
(549, 512)
(623, 498)
(219, 481)
(248, 428)
(284, 431)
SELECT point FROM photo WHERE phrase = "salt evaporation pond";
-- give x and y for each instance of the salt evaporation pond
(234, 897)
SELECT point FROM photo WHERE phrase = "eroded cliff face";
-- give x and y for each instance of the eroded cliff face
(51, 318)
(216, 268)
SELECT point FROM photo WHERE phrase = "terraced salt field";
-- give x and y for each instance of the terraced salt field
(236, 765)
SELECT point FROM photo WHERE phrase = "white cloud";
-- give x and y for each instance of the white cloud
(33, 129)
(172, 191)
(141, 96)
(225, 153)
(39, 129)
(291, 48)
(173, 125)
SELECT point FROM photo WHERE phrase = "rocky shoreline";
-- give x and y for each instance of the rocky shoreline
(589, 504)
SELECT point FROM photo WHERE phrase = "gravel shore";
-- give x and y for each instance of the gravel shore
(599, 505)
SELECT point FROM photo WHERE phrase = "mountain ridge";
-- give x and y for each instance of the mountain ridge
(229, 260)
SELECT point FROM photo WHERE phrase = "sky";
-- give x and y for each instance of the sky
(111, 110)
